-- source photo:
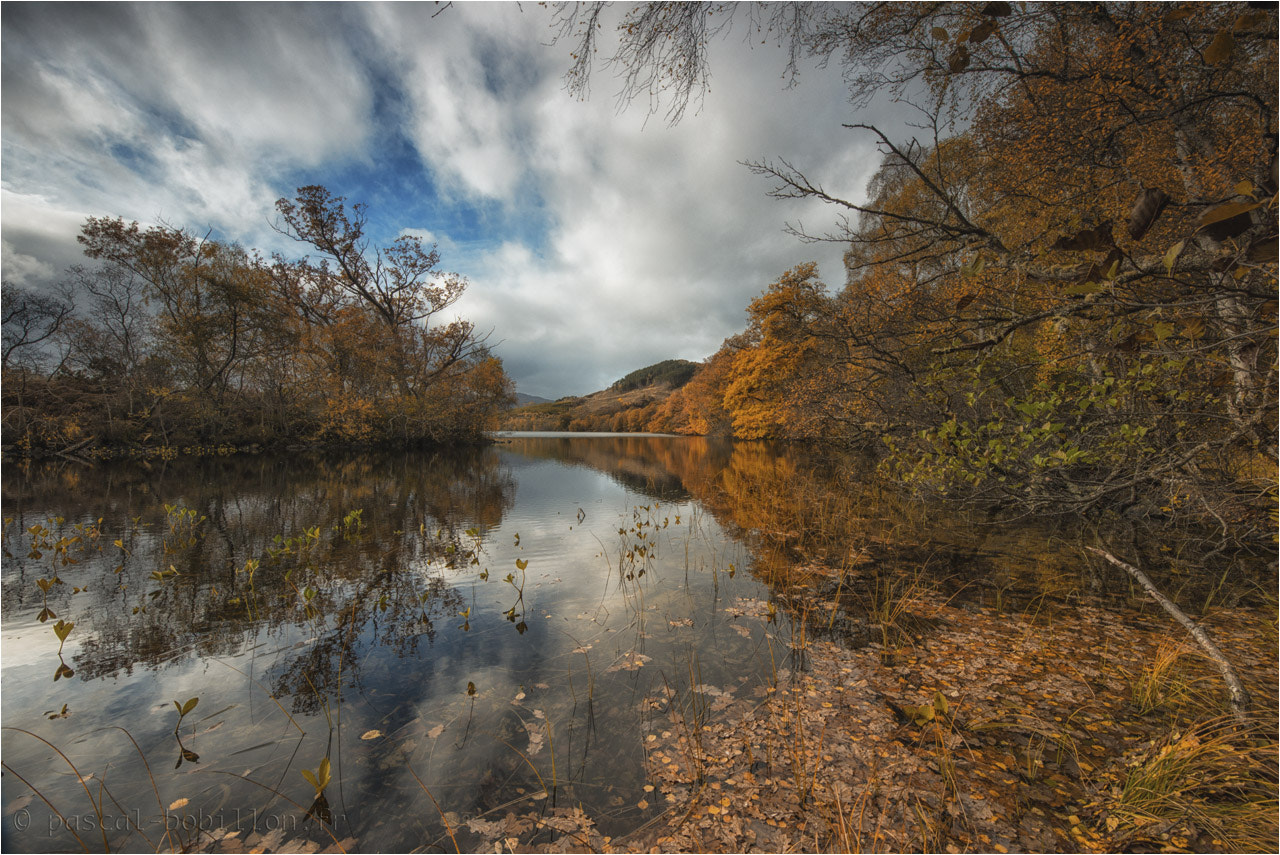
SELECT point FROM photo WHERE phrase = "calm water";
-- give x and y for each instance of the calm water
(467, 633)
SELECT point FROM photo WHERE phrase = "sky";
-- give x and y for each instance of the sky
(595, 239)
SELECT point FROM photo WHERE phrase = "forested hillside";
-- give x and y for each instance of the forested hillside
(634, 403)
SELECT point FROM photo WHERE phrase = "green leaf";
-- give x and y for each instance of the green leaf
(521, 563)
(1163, 330)
(189, 705)
(311, 779)
(62, 629)
(324, 773)
(471, 688)
(921, 714)
(975, 267)
(940, 704)
(1171, 257)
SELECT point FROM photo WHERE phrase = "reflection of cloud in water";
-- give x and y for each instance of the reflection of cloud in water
(383, 647)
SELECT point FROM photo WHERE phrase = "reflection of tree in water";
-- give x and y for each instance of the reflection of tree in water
(391, 612)
(380, 580)
(663, 468)
(790, 501)
(799, 504)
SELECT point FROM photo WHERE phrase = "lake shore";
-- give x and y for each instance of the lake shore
(984, 732)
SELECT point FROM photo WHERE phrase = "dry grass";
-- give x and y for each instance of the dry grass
(891, 599)
(1177, 679)
(1215, 778)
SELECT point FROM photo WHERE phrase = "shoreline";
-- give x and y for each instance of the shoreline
(985, 731)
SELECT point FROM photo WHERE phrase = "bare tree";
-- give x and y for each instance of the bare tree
(31, 320)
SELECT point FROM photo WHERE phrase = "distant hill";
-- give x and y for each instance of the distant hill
(522, 399)
(670, 372)
(628, 404)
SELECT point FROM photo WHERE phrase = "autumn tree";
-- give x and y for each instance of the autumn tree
(1061, 286)
(211, 298)
(187, 339)
(114, 333)
(33, 329)
(376, 307)
(777, 361)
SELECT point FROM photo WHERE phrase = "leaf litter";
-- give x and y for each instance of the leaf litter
(982, 732)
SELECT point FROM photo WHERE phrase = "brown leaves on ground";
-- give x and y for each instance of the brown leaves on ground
(1036, 740)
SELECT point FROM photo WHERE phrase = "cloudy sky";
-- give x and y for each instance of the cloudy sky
(595, 240)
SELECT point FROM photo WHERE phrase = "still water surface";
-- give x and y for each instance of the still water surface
(464, 634)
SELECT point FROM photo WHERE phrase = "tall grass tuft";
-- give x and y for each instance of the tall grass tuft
(1216, 777)
(890, 599)
(1175, 679)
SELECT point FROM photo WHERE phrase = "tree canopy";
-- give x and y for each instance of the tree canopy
(191, 341)
(1060, 287)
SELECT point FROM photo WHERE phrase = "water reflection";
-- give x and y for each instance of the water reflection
(427, 637)
(452, 647)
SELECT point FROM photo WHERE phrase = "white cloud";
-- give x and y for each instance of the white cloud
(180, 112)
(659, 235)
(461, 124)
(594, 241)
(25, 270)
(39, 238)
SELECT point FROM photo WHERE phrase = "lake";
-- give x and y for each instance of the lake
(390, 651)
(554, 639)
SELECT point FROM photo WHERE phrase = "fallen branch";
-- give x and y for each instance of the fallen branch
(1239, 696)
